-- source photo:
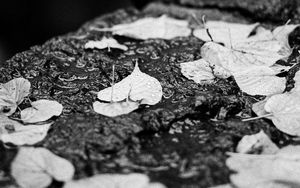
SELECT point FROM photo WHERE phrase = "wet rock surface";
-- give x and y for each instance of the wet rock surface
(181, 142)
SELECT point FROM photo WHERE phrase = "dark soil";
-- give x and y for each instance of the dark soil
(180, 142)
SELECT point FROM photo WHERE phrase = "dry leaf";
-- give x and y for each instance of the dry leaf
(198, 70)
(225, 32)
(105, 43)
(133, 180)
(138, 86)
(162, 27)
(282, 168)
(115, 108)
(260, 80)
(35, 168)
(284, 111)
(12, 94)
(41, 110)
(259, 142)
(13, 132)
(259, 108)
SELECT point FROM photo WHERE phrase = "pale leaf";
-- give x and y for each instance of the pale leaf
(133, 180)
(105, 43)
(115, 108)
(260, 80)
(41, 110)
(14, 132)
(162, 27)
(281, 33)
(259, 108)
(297, 82)
(138, 86)
(35, 168)
(285, 111)
(259, 142)
(198, 70)
(281, 168)
(225, 32)
(12, 94)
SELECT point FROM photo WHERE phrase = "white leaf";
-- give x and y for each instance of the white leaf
(35, 168)
(105, 43)
(260, 80)
(198, 70)
(297, 83)
(12, 94)
(225, 32)
(133, 180)
(41, 110)
(138, 86)
(259, 108)
(14, 132)
(162, 27)
(257, 142)
(281, 33)
(115, 108)
(282, 168)
(285, 111)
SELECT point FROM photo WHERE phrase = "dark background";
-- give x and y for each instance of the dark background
(25, 23)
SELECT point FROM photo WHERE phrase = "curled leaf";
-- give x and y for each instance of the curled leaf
(41, 110)
(35, 168)
(115, 108)
(257, 143)
(162, 27)
(198, 70)
(133, 180)
(281, 33)
(138, 86)
(12, 94)
(105, 43)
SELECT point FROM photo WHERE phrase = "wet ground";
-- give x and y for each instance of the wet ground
(181, 142)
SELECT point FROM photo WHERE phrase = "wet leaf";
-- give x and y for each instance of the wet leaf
(162, 27)
(138, 87)
(257, 143)
(260, 80)
(14, 132)
(281, 169)
(198, 71)
(115, 108)
(41, 110)
(225, 32)
(12, 94)
(105, 43)
(35, 168)
(133, 180)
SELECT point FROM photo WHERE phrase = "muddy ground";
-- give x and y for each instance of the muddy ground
(180, 142)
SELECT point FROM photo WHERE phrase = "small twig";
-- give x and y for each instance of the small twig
(207, 30)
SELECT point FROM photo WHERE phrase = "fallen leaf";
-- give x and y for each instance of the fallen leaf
(35, 168)
(260, 80)
(281, 169)
(284, 110)
(138, 87)
(259, 108)
(41, 110)
(105, 43)
(18, 134)
(12, 94)
(162, 27)
(198, 71)
(255, 143)
(225, 32)
(133, 180)
(115, 108)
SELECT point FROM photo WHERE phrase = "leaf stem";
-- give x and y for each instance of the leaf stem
(258, 117)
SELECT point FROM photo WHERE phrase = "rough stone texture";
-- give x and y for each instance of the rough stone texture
(180, 142)
(271, 10)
